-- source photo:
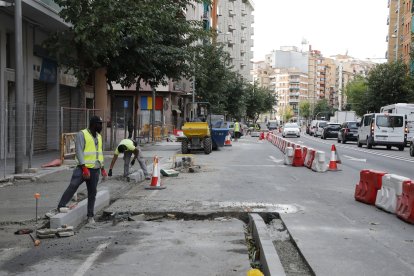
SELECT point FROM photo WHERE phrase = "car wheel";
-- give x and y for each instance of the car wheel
(369, 144)
(359, 143)
(388, 147)
(411, 150)
(400, 148)
(298, 136)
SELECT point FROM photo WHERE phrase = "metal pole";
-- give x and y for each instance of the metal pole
(31, 137)
(19, 125)
(5, 141)
(153, 113)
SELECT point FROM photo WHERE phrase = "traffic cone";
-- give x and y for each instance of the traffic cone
(227, 142)
(156, 177)
(334, 159)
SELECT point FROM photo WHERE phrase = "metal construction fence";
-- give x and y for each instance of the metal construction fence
(47, 128)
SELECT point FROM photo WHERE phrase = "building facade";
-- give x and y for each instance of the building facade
(234, 30)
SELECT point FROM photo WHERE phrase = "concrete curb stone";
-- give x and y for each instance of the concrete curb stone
(268, 256)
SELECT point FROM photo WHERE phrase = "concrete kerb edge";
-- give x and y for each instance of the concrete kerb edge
(269, 259)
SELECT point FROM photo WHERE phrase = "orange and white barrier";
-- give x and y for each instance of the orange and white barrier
(387, 195)
(156, 177)
(310, 155)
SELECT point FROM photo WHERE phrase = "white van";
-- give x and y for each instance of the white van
(382, 129)
(313, 126)
(406, 109)
(320, 125)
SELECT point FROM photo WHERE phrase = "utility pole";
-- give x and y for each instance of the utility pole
(20, 106)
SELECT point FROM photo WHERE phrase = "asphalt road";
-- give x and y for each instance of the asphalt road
(336, 234)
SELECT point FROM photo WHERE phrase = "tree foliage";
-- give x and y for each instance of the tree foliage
(387, 83)
(258, 100)
(304, 109)
(147, 40)
(322, 107)
(356, 92)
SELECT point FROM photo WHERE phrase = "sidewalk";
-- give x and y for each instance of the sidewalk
(17, 202)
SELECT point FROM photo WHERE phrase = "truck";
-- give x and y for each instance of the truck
(343, 116)
(406, 109)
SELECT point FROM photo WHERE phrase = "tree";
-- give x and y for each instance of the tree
(388, 83)
(134, 40)
(258, 100)
(286, 113)
(356, 92)
(322, 107)
(215, 80)
(304, 109)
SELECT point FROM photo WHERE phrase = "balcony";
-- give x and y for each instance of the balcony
(293, 101)
(231, 28)
(231, 13)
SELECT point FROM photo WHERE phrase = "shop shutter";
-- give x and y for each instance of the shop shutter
(40, 118)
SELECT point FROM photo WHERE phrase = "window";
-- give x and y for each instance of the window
(390, 121)
(367, 120)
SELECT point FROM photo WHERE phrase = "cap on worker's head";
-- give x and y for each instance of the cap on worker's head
(95, 119)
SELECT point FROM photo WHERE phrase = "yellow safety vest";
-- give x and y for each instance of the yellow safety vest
(237, 127)
(90, 152)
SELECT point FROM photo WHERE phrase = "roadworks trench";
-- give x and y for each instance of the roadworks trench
(293, 262)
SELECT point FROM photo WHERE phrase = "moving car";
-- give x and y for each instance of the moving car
(291, 129)
(331, 131)
(271, 125)
(348, 132)
(382, 129)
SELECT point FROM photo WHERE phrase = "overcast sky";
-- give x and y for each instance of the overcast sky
(331, 26)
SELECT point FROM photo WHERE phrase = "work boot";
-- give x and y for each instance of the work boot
(147, 177)
(91, 220)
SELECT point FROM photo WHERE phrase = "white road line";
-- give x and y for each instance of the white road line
(273, 159)
(89, 261)
(355, 159)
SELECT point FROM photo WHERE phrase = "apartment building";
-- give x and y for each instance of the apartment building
(46, 87)
(234, 30)
(400, 30)
(291, 87)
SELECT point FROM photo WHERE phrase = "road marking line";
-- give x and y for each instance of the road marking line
(89, 261)
(355, 159)
(273, 159)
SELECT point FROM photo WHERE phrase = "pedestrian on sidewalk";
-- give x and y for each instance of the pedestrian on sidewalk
(129, 147)
(237, 133)
(90, 162)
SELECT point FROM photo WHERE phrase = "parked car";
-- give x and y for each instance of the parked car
(319, 128)
(348, 132)
(382, 129)
(331, 131)
(314, 126)
(291, 129)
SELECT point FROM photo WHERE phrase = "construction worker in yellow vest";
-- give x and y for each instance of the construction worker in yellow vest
(129, 147)
(237, 133)
(90, 162)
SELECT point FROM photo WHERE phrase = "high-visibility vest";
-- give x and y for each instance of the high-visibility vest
(90, 152)
(237, 127)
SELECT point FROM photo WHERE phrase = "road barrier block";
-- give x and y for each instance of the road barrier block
(309, 158)
(405, 202)
(304, 152)
(319, 162)
(387, 195)
(297, 158)
(289, 156)
(370, 182)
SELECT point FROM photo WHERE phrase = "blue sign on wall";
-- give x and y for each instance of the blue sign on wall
(125, 104)
(48, 72)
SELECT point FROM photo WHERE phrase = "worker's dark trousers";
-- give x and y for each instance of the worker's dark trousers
(75, 182)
